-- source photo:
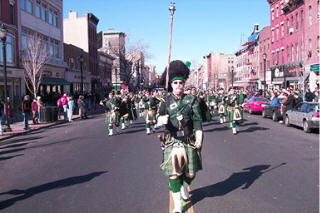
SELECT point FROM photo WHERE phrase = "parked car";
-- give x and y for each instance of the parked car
(305, 115)
(255, 104)
(273, 111)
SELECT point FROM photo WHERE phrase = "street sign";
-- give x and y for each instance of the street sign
(315, 67)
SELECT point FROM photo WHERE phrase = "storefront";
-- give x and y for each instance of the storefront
(74, 77)
(15, 85)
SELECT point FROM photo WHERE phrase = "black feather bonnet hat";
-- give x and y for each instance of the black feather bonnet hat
(177, 71)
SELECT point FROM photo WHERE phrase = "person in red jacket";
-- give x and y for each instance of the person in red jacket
(34, 109)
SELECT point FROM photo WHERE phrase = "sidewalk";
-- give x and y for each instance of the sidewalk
(17, 127)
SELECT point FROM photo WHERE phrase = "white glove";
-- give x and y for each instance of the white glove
(162, 120)
(199, 139)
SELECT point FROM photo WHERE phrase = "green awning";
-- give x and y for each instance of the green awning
(54, 81)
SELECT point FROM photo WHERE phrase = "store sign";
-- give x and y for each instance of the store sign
(278, 73)
(79, 77)
(268, 77)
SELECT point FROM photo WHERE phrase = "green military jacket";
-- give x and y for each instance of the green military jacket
(184, 113)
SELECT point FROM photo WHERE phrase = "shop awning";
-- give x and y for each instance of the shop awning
(277, 82)
(54, 81)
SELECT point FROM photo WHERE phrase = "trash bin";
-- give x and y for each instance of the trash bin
(45, 114)
(54, 113)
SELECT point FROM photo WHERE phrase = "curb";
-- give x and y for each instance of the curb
(3, 142)
(31, 130)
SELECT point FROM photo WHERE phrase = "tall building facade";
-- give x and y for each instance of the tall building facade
(82, 32)
(294, 41)
(44, 20)
(114, 43)
(15, 76)
(219, 67)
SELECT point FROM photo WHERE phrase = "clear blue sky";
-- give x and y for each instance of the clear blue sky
(200, 26)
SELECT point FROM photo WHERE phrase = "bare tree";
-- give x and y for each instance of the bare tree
(131, 57)
(34, 57)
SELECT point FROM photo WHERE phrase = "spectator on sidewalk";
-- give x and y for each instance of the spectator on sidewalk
(309, 96)
(26, 109)
(63, 101)
(40, 104)
(70, 108)
(34, 108)
(82, 107)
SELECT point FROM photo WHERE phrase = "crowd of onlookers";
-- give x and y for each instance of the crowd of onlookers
(67, 105)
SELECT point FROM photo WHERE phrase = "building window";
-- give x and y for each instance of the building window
(310, 15)
(288, 26)
(272, 14)
(11, 9)
(44, 12)
(282, 56)
(29, 6)
(277, 57)
(297, 52)
(277, 33)
(291, 22)
(50, 16)
(273, 62)
(302, 49)
(302, 20)
(10, 49)
(22, 4)
(297, 21)
(38, 9)
(282, 30)
(318, 47)
(277, 11)
(272, 38)
(292, 53)
(288, 54)
(55, 19)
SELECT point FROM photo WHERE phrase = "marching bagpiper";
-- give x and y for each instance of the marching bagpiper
(222, 112)
(150, 110)
(112, 107)
(182, 140)
(234, 107)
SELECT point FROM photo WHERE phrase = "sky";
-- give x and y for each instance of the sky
(199, 27)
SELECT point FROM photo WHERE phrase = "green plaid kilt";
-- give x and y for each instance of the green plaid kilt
(193, 155)
(145, 114)
(108, 118)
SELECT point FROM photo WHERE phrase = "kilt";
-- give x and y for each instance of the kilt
(193, 155)
(115, 120)
(149, 116)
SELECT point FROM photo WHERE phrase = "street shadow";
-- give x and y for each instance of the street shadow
(14, 146)
(27, 193)
(25, 139)
(10, 157)
(243, 179)
(223, 128)
(253, 129)
(210, 123)
(11, 151)
(249, 124)
(134, 131)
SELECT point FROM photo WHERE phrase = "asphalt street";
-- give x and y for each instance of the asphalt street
(266, 168)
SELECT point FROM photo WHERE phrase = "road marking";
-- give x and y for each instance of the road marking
(187, 204)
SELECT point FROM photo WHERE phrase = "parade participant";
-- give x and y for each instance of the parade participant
(221, 106)
(132, 108)
(182, 140)
(234, 106)
(211, 102)
(149, 112)
(205, 112)
(112, 107)
(124, 109)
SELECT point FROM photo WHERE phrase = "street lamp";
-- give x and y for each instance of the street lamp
(264, 56)
(81, 77)
(172, 9)
(232, 76)
(3, 36)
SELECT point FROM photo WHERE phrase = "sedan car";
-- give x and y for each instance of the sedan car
(305, 115)
(255, 104)
(273, 111)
